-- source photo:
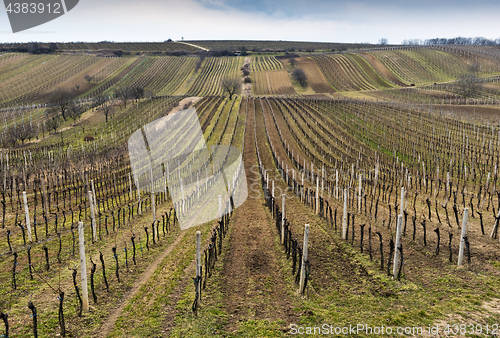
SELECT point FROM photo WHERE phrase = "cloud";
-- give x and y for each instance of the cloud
(313, 20)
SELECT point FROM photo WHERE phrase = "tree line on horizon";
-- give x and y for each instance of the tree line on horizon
(477, 41)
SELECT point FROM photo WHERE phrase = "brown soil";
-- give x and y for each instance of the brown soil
(78, 79)
(315, 77)
(338, 76)
(253, 283)
(381, 69)
(470, 110)
(273, 82)
(493, 86)
(285, 58)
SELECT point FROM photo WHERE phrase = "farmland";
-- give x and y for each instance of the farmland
(397, 172)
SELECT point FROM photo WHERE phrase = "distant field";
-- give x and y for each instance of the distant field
(32, 78)
(276, 46)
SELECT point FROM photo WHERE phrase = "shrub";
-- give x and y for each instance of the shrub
(300, 76)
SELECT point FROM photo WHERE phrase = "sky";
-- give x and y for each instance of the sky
(352, 21)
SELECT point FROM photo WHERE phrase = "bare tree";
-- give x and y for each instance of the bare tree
(245, 69)
(469, 83)
(103, 104)
(52, 47)
(231, 86)
(124, 94)
(106, 109)
(98, 100)
(88, 78)
(33, 48)
(25, 132)
(382, 41)
(53, 123)
(75, 111)
(293, 62)
(300, 76)
(61, 99)
(8, 139)
(138, 92)
(19, 132)
(83, 125)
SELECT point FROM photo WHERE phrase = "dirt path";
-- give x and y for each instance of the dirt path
(253, 282)
(109, 324)
(246, 88)
(192, 45)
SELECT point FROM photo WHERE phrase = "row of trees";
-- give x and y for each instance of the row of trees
(62, 107)
(477, 41)
(31, 47)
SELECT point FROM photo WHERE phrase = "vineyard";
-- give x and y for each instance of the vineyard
(382, 211)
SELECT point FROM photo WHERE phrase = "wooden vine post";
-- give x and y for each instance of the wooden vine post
(220, 207)
(283, 218)
(462, 236)
(494, 230)
(153, 205)
(344, 217)
(336, 184)
(322, 180)
(45, 202)
(153, 201)
(302, 284)
(83, 267)
(317, 195)
(130, 185)
(401, 209)
(448, 184)
(183, 203)
(165, 185)
(360, 179)
(138, 197)
(27, 215)
(92, 215)
(396, 251)
(198, 267)
(93, 194)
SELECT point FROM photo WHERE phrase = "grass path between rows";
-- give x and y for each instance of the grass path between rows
(108, 326)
